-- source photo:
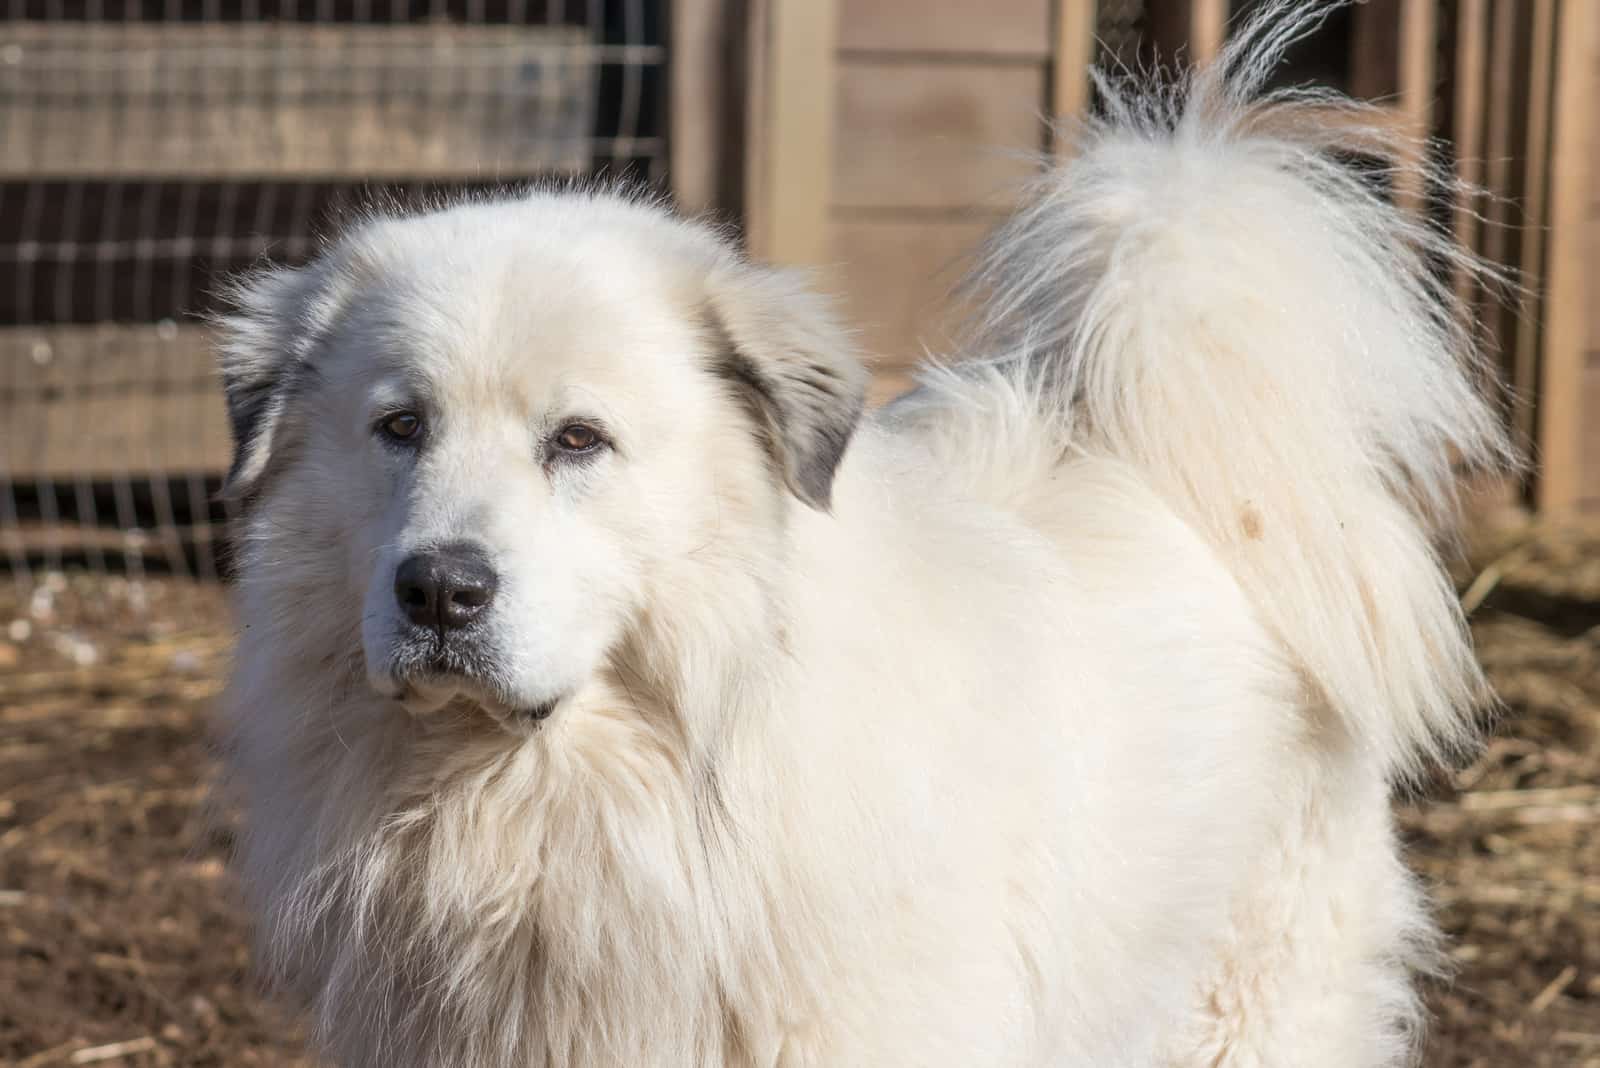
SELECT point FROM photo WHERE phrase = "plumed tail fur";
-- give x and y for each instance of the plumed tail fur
(1206, 291)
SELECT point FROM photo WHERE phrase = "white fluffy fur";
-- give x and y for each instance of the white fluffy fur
(1065, 737)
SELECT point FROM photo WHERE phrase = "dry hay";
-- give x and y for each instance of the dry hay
(121, 943)
(1511, 847)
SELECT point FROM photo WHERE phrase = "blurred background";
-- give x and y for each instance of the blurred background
(148, 148)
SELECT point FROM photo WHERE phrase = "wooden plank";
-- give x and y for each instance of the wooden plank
(164, 544)
(105, 400)
(1071, 58)
(1502, 149)
(707, 134)
(792, 172)
(1525, 328)
(137, 433)
(1208, 28)
(1569, 291)
(755, 206)
(37, 360)
(955, 135)
(1017, 28)
(895, 278)
(291, 100)
(1589, 446)
(1592, 261)
(1594, 165)
(1418, 39)
(1468, 114)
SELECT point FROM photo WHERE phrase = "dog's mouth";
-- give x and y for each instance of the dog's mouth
(537, 713)
(434, 688)
(462, 680)
(525, 715)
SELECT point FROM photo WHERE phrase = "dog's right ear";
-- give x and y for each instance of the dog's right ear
(265, 341)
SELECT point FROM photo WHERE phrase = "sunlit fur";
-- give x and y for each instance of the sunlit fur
(1055, 725)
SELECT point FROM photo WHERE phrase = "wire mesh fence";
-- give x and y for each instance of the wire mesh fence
(149, 149)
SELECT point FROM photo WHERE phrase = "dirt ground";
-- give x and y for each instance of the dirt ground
(121, 944)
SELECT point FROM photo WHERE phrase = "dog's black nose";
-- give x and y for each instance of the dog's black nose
(445, 588)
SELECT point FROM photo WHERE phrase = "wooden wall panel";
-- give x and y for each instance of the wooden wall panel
(942, 136)
(995, 27)
(99, 100)
(895, 277)
(1075, 22)
(788, 164)
(940, 121)
(98, 400)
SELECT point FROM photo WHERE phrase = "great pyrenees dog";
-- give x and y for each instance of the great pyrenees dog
(612, 689)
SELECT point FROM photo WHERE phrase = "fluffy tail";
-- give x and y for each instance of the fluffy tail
(1226, 305)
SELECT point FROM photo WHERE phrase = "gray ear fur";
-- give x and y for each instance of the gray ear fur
(780, 347)
(264, 344)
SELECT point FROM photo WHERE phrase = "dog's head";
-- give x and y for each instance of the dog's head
(486, 443)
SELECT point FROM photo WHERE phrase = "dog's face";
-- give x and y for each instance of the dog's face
(489, 440)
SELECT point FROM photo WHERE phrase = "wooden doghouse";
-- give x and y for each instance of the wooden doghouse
(882, 138)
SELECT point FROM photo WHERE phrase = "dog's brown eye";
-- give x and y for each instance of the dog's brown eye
(402, 426)
(578, 438)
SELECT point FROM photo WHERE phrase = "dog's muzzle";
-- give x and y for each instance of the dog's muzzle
(446, 654)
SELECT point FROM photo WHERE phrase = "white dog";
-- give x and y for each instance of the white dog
(612, 691)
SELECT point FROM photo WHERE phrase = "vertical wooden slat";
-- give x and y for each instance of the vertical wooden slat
(791, 170)
(1499, 496)
(706, 132)
(1418, 28)
(1566, 310)
(1208, 26)
(1535, 165)
(1502, 148)
(1472, 62)
(757, 136)
(1073, 55)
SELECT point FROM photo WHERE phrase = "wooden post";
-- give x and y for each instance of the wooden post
(1472, 64)
(1568, 290)
(1072, 56)
(1536, 150)
(706, 138)
(790, 162)
(1501, 149)
(1208, 28)
(1418, 29)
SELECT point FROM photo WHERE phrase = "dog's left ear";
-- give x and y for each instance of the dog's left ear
(780, 347)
